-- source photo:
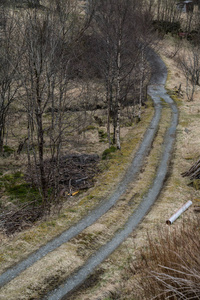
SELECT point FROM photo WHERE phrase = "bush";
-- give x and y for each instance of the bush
(15, 187)
(7, 151)
(107, 152)
(102, 135)
(24, 193)
(166, 26)
(90, 127)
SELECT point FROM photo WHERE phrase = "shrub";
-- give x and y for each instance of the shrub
(107, 152)
(7, 151)
(17, 188)
(90, 127)
(23, 192)
(102, 135)
(166, 26)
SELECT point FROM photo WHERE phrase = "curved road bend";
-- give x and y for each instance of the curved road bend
(158, 68)
(156, 90)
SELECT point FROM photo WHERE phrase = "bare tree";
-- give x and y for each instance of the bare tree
(167, 11)
(11, 52)
(166, 16)
(119, 29)
(190, 64)
(50, 39)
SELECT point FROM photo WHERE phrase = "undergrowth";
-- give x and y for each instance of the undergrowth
(107, 152)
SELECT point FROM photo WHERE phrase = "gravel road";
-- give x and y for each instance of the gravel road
(157, 91)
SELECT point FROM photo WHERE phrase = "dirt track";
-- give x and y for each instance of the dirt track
(156, 91)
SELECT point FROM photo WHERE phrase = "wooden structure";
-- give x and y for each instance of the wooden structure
(185, 6)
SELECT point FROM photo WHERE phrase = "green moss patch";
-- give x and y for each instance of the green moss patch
(16, 188)
(107, 152)
(7, 150)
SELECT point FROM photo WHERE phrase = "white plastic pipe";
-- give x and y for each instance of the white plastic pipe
(179, 212)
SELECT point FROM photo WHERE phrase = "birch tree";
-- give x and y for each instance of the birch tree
(190, 64)
(11, 52)
(117, 27)
(49, 38)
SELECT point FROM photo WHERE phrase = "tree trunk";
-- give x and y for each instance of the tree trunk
(141, 83)
(108, 125)
(1, 138)
(108, 100)
(118, 90)
(2, 131)
(118, 143)
(41, 156)
(40, 135)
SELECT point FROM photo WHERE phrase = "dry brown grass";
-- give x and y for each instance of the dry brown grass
(170, 264)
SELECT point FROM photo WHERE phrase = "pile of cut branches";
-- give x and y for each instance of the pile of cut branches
(193, 172)
(73, 172)
(21, 218)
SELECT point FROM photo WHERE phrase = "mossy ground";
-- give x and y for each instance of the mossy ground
(17, 189)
